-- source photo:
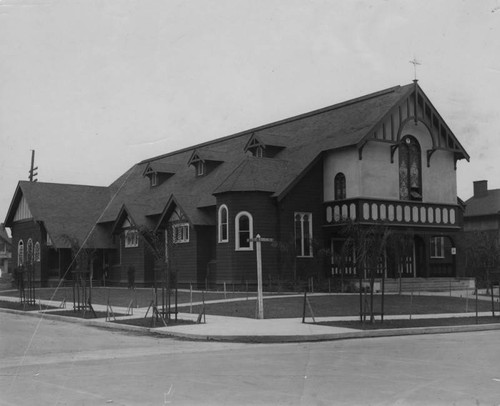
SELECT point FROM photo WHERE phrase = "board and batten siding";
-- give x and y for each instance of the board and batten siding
(305, 197)
(236, 266)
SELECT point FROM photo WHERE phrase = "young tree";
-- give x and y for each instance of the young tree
(482, 250)
(366, 245)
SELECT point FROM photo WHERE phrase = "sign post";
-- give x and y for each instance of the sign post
(260, 300)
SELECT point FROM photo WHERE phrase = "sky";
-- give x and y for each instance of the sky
(95, 86)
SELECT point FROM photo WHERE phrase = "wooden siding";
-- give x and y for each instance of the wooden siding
(183, 257)
(306, 196)
(205, 250)
(240, 266)
(130, 257)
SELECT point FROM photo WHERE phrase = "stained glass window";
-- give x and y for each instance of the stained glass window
(410, 169)
(340, 186)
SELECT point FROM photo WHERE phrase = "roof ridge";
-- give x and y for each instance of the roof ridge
(61, 184)
(279, 122)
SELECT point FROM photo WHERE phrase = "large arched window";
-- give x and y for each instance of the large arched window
(340, 186)
(20, 253)
(244, 231)
(410, 169)
(223, 224)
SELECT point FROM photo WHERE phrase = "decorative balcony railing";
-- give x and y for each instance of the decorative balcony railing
(393, 212)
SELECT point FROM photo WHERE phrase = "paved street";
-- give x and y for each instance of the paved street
(57, 363)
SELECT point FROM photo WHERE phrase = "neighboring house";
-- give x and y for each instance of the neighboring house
(481, 231)
(5, 251)
(482, 212)
(49, 220)
(385, 158)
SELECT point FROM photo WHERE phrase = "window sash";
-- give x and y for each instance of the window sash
(131, 238)
(180, 233)
(437, 247)
(223, 224)
(200, 168)
(244, 231)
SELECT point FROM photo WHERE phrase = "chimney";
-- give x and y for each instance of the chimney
(480, 188)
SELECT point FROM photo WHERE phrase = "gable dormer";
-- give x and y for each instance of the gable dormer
(158, 172)
(265, 145)
(205, 160)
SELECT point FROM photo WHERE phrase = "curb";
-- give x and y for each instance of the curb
(262, 339)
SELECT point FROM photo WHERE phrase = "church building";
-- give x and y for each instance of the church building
(385, 160)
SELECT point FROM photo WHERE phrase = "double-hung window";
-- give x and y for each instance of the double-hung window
(303, 234)
(244, 231)
(437, 247)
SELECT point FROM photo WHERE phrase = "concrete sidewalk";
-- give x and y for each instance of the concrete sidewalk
(238, 329)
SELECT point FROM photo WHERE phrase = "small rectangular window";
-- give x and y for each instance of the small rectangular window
(200, 168)
(180, 233)
(437, 247)
(131, 238)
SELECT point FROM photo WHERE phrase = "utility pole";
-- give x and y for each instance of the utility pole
(33, 168)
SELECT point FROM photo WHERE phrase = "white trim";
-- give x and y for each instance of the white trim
(131, 238)
(437, 250)
(237, 231)
(20, 253)
(180, 233)
(220, 224)
(154, 179)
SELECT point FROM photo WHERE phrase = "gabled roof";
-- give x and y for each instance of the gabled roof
(486, 205)
(305, 137)
(189, 206)
(65, 210)
(160, 167)
(204, 154)
(264, 140)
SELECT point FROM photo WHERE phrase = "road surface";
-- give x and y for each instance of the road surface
(57, 363)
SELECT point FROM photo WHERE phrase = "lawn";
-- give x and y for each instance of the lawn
(407, 323)
(141, 297)
(345, 305)
(285, 307)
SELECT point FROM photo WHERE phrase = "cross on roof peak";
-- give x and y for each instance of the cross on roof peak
(414, 62)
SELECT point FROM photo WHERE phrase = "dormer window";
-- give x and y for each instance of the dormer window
(159, 172)
(205, 161)
(200, 168)
(265, 145)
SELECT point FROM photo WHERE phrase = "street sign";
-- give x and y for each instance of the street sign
(260, 299)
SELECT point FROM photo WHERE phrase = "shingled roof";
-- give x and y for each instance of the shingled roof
(486, 205)
(65, 211)
(303, 138)
(4, 236)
